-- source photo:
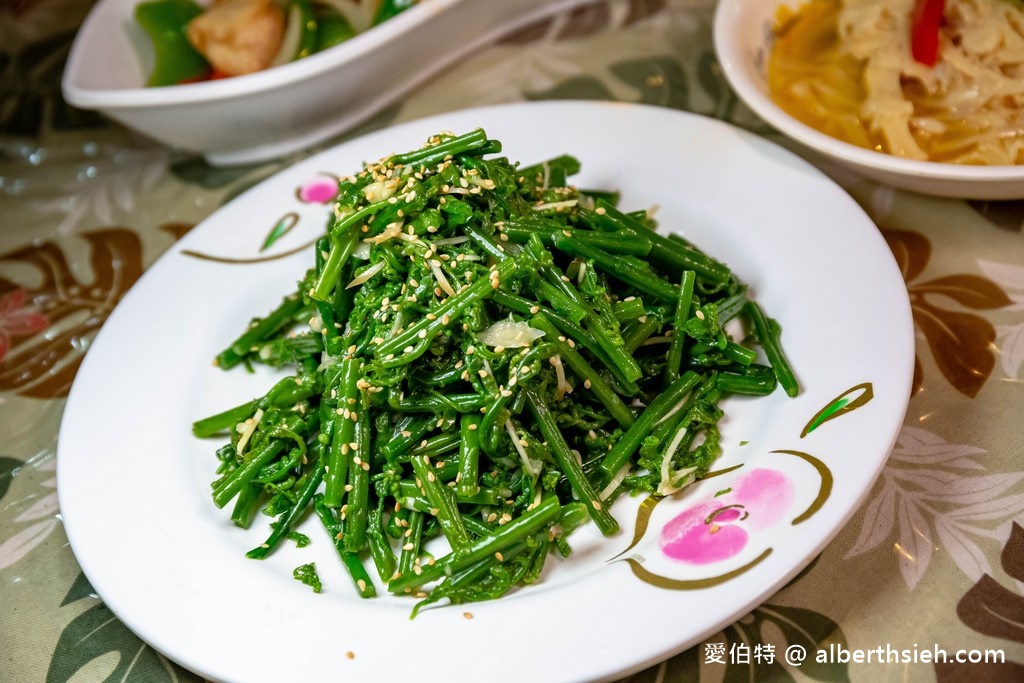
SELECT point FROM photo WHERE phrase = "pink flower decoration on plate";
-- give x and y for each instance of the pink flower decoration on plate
(719, 528)
(15, 321)
(320, 190)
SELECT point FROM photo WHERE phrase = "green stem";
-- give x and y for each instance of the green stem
(344, 431)
(674, 359)
(659, 408)
(768, 334)
(287, 521)
(570, 466)
(517, 530)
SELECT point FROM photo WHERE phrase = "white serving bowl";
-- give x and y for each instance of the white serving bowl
(287, 108)
(743, 36)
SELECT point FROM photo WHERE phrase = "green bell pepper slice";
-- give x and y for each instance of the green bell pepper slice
(165, 22)
(331, 28)
(390, 8)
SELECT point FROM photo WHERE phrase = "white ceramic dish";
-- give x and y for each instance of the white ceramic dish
(743, 35)
(281, 110)
(134, 484)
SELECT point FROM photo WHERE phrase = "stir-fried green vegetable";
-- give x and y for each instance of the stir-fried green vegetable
(485, 353)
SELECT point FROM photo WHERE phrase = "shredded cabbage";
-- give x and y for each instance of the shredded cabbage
(863, 85)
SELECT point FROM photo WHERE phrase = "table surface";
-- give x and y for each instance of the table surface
(934, 560)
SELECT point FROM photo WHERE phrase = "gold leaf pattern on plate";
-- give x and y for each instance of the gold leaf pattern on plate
(824, 489)
(692, 584)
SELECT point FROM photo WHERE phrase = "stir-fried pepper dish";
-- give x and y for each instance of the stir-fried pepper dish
(224, 38)
(485, 353)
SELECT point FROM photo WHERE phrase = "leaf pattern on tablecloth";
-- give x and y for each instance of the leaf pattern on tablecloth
(30, 93)
(994, 610)
(989, 607)
(961, 343)
(9, 468)
(933, 494)
(23, 542)
(17, 319)
(1010, 277)
(662, 81)
(234, 180)
(109, 190)
(586, 21)
(659, 80)
(799, 626)
(96, 645)
(1002, 214)
(36, 522)
(43, 365)
(177, 230)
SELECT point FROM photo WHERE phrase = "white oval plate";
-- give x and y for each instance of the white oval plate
(134, 484)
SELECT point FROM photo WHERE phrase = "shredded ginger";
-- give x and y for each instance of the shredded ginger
(510, 334)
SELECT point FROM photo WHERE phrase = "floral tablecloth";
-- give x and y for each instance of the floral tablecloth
(933, 561)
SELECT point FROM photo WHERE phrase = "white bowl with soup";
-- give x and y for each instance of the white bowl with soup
(840, 78)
